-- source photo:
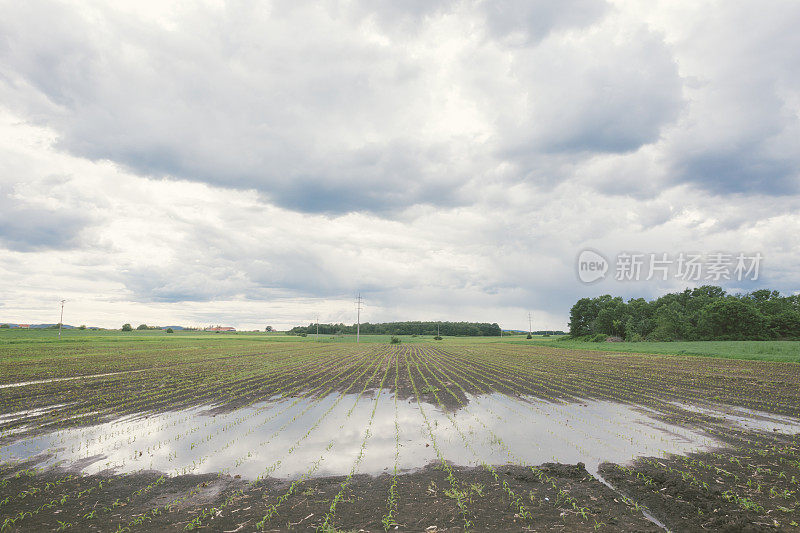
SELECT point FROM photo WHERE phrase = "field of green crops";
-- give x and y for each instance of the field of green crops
(785, 351)
(156, 432)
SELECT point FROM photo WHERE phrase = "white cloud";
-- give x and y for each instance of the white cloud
(259, 164)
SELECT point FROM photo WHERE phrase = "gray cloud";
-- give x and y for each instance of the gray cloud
(305, 104)
(741, 170)
(523, 22)
(295, 103)
(448, 159)
(396, 17)
(741, 128)
(27, 228)
(176, 284)
(594, 95)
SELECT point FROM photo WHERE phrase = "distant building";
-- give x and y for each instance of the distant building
(220, 328)
(24, 326)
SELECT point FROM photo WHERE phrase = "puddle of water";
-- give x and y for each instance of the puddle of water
(537, 432)
(254, 440)
(7, 418)
(52, 380)
(746, 418)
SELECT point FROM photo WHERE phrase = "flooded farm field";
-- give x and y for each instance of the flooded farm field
(309, 436)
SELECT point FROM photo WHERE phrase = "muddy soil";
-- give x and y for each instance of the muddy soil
(750, 486)
(425, 502)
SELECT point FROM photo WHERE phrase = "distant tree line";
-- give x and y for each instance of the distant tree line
(539, 332)
(140, 327)
(463, 329)
(704, 313)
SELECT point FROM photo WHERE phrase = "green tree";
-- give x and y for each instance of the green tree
(769, 302)
(785, 325)
(732, 318)
(639, 321)
(702, 313)
(141, 327)
(126, 327)
(670, 323)
(611, 318)
(582, 317)
(405, 328)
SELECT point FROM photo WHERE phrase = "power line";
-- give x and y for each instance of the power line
(61, 320)
(359, 302)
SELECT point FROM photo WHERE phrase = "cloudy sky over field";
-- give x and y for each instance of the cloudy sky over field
(221, 162)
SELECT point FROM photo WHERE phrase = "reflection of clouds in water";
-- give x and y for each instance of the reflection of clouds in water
(498, 428)
(590, 432)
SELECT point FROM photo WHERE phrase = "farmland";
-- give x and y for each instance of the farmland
(102, 432)
(786, 351)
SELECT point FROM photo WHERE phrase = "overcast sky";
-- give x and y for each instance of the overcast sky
(254, 163)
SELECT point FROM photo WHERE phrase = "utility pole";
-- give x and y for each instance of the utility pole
(358, 317)
(61, 320)
(318, 326)
(530, 321)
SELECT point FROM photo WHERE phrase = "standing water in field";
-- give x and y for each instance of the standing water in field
(281, 437)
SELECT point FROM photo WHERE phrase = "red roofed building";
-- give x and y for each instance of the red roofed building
(220, 328)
